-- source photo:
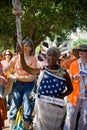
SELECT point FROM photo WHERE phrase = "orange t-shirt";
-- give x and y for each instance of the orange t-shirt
(74, 69)
(17, 65)
(66, 63)
(19, 73)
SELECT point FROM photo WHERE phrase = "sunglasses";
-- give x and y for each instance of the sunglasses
(8, 54)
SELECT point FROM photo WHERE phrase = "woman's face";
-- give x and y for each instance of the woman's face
(7, 55)
(52, 58)
(83, 54)
(27, 48)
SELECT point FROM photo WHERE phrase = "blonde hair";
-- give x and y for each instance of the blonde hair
(7, 50)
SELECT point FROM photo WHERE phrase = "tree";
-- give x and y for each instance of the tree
(18, 12)
(7, 25)
(44, 18)
(79, 42)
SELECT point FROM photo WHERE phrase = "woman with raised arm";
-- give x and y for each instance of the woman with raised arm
(23, 84)
(53, 85)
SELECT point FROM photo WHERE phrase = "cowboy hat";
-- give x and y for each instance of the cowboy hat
(76, 50)
(82, 47)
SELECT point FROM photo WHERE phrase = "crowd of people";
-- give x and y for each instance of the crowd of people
(53, 78)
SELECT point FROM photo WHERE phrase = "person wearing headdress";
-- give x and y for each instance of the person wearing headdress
(77, 100)
(41, 56)
(52, 86)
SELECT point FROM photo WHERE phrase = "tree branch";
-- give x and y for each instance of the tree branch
(44, 35)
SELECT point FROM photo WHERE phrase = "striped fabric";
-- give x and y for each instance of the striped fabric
(48, 116)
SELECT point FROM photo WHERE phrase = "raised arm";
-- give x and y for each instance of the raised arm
(33, 71)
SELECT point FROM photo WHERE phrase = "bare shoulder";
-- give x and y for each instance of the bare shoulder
(65, 73)
(63, 70)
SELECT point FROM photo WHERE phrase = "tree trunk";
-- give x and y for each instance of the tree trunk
(17, 11)
(18, 25)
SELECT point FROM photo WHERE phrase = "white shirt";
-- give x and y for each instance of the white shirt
(83, 80)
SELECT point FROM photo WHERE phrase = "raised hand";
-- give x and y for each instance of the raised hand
(19, 48)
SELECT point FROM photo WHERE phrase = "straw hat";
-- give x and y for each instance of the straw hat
(82, 47)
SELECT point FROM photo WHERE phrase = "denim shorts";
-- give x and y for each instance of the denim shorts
(20, 96)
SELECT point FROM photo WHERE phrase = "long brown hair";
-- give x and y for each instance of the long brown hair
(30, 43)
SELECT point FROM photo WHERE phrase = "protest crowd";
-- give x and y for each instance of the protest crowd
(43, 91)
